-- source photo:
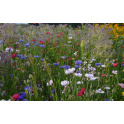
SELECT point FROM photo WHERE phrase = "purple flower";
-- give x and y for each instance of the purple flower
(26, 44)
(55, 64)
(42, 46)
(36, 56)
(78, 62)
(77, 66)
(97, 64)
(66, 66)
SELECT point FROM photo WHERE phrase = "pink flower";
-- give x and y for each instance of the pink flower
(15, 97)
(81, 92)
(14, 55)
(122, 85)
(115, 64)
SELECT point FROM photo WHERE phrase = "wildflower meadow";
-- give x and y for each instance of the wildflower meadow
(61, 63)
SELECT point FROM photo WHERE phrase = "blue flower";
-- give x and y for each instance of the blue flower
(55, 64)
(107, 100)
(122, 64)
(20, 97)
(27, 88)
(46, 100)
(78, 62)
(77, 66)
(19, 56)
(21, 40)
(23, 57)
(66, 66)
(61, 67)
(38, 85)
(36, 56)
(42, 59)
(79, 71)
(42, 46)
(23, 94)
(26, 44)
(36, 44)
(11, 75)
(24, 100)
(53, 91)
(97, 63)
(63, 57)
(24, 64)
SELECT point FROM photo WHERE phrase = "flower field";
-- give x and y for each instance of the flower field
(61, 63)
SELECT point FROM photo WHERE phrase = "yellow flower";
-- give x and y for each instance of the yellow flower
(112, 47)
(51, 48)
(122, 93)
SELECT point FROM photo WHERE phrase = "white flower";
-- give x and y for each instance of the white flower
(78, 74)
(93, 78)
(63, 83)
(69, 71)
(49, 83)
(103, 65)
(8, 49)
(89, 75)
(92, 69)
(99, 91)
(80, 82)
(69, 41)
(93, 59)
(70, 37)
(75, 53)
(107, 88)
(114, 72)
(84, 62)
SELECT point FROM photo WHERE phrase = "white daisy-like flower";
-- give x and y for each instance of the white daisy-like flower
(63, 83)
(78, 74)
(103, 66)
(69, 71)
(79, 82)
(99, 91)
(107, 88)
(49, 83)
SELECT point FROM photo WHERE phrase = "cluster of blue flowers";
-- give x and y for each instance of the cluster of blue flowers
(78, 64)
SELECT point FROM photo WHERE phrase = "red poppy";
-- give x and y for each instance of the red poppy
(61, 33)
(115, 64)
(68, 59)
(43, 52)
(77, 44)
(122, 62)
(81, 92)
(14, 55)
(121, 46)
(15, 97)
(70, 39)
(58, 36)
(10, 42)
(76, 50)
(34, 40)
(48, 39)
(41, 41)
(69, 63)
(47, 32)
(58, 27)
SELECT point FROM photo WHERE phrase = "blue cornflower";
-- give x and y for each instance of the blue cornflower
(122, 64)
(23, 57)
(1, 85)
(24, 100)
(53, 91)
(21, 40)
(97, 63)
(23, 94)
(26, 44)
(36, 56)
(77, 66)
(42, 59)
(24, 64)
(27, 88)
(63, 57)
(78, 62)
(1, 41)
(36, 44)
(61, 67)
(42, 46)
(107, 100)
(66, 66)
(11, 75)
(46, 100)
(79, 71)
(20, 97)
(55, 64)
(38, 85)
(19, 56)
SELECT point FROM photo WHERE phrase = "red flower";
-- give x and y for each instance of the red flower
(61, 33)
(58, 36)
(43, 52)
(41, 41)
(81, 92)
(58, 27)
(10, 42)
(122, 62)
(72, 48)
(70, 39)
(69, 63)
(47, 32)
(34, 40)
(10, 47)
(48, 39)
(77, 56)
(76, 50)
(34, 23)
(57, 61)
(115, 64)
(121, 46)
(14, 55)
(77, 44)
(15, 97)
(68, 59)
